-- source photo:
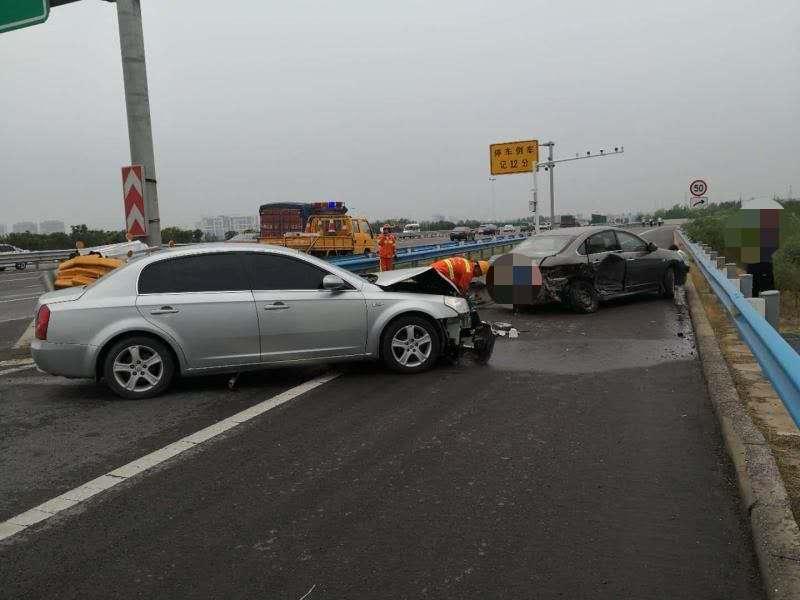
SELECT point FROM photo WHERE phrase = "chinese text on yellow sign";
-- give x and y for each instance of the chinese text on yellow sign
(513, 157)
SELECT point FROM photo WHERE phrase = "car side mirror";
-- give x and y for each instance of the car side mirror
(651, 247)
(333, 283)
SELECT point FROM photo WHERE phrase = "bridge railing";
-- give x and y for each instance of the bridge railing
(36, 257)
(411, 256)
(778, 360)
(414, 256)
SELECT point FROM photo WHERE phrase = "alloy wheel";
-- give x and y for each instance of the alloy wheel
(138, 368)
(411, 346)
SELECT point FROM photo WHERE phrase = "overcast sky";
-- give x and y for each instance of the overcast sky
(390, 106)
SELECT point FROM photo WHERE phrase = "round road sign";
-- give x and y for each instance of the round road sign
(698, 187)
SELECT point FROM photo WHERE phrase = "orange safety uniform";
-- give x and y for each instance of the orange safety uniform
(459, 270)
(386, 250)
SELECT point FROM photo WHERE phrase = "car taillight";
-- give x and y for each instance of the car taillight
(42, 321)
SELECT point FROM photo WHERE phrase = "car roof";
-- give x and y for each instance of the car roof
(576, 231)
(127, 275)
(216, 247)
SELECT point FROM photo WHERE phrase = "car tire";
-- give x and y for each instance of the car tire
(125, 353)
(668, 283)
(20, 266)
(420, 355)
(582, 296)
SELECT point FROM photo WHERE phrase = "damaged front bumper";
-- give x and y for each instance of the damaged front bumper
(468, 334)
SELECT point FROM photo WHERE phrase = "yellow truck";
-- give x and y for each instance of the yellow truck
(322, 229)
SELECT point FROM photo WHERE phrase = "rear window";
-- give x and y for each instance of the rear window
(200, 273)
(544, 244)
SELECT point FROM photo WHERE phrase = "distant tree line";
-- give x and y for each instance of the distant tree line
(91, 237)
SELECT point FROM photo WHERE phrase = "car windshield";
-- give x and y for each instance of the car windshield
(544, 245)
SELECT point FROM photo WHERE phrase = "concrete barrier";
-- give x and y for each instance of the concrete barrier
(772, 311)
(759, 305)
(746, 285)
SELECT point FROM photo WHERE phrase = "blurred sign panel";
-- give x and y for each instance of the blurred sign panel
(15, 14)
(513, 157)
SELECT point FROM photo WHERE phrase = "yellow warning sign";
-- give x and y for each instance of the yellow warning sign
(513, 157)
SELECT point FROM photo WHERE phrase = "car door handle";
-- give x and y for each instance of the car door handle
(164, 310)
(277, 306)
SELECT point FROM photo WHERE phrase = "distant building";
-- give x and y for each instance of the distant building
(2, 229)
(25, 227)
(217, 227)
(51, 227)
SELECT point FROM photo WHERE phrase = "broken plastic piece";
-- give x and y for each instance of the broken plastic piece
(234, 379)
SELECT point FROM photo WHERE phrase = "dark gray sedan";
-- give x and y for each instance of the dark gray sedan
(581, 266)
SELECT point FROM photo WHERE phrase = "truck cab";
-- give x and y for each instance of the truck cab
(355, 230)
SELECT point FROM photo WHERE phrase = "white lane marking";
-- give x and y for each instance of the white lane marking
(19, 296)
(649, 230)
(91, 488)
(16, 370)
(19, 299)
(25, 287)
(30, 277)
(16, 362)
(25, 318)
(27, 336)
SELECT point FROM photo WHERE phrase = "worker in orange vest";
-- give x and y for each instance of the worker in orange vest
(386, 248)
(461, 271)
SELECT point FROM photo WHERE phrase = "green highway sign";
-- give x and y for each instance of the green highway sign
(22, 13)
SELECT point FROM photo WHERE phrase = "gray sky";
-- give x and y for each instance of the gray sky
(390, 107)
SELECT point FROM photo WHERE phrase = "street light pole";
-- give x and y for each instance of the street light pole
(137, 104)
(549, 165)
(552, 191)
(491, 185)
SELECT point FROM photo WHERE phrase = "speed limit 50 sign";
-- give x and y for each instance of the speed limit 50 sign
(698, 187)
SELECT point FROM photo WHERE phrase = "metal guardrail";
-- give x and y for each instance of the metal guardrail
(352, 263)
(777, 358)
(412, 256)
(35, 257)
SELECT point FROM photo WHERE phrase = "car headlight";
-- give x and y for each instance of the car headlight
(460, 305)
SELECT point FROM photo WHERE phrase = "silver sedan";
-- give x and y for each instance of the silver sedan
(222, 308)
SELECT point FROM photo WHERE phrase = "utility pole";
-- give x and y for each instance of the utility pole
(535, 191)
(491, 185)
(137, 104)
(549, 166)
(552, 190)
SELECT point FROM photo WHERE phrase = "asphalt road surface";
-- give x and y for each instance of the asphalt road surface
(18, 293)
(583, 462)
